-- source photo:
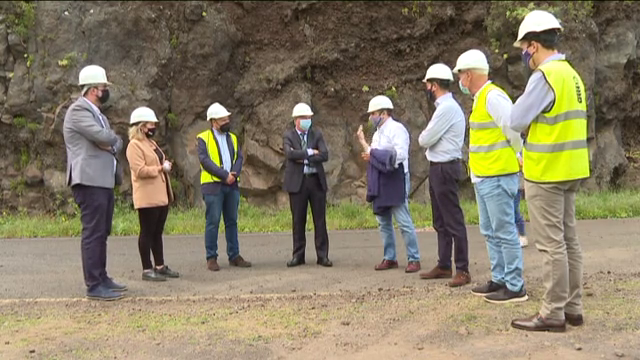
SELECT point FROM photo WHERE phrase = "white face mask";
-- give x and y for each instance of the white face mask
(305, 124)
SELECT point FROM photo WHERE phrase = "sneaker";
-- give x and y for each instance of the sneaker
(152, 275)
(387, 264)
(489, 288)
(413, 266)
(102, 293)
(523, 241)
(505, 295)
(165, 271)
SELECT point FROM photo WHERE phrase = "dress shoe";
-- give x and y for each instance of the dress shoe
(538, 323)
(462, 278)
(387, 264)
(325, 262)
(111, 285)
(437, 273)
(412, 266)
(165, 271)
(102, 293)
(238, 261)
(152, 275)
(574, 319)
(295, 262)
(212, 264)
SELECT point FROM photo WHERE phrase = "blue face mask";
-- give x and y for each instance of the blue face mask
(375, 121)
(305, 124)
(465, 90)
(526, 56)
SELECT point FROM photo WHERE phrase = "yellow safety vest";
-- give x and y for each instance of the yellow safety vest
(556, 147)
(214, 154)
(490, 154)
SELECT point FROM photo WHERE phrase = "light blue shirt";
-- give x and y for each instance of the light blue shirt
(223, 147)
(444, 136)
(307, 168)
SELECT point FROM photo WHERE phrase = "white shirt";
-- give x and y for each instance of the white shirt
(499, 107)
(100, 116)
(444, 136)
(393, 135)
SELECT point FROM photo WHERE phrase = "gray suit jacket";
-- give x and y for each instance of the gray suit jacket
(87, 164)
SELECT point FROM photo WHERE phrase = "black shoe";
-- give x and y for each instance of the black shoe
(505, 295)
(111, 285)
(489, 288)
(152, 275)
(103, 293)
(325, 262)
(165, 271)
(295, 262)
(574, 319)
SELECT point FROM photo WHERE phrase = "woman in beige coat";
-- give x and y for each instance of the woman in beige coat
(151, 192)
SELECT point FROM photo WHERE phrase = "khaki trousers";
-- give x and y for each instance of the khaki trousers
(552, 210)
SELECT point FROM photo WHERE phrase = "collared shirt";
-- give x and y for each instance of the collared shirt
(104, 125)
(499, 107)
(444, 136)
(537, 98)
(393, 135)
(223, 147)
(308, 169)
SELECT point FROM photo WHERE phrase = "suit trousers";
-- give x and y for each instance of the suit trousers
(311, 192)
(96, 206)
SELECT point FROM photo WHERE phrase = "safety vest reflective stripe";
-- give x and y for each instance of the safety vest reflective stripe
(483, 125)
(556, 119)
(489, 148)
(557, 147)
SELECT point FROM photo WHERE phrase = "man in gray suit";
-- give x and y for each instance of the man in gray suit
(91, 173)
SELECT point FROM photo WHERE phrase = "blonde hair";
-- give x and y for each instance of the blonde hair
(135, 131)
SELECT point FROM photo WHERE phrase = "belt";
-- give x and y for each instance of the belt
(433, 163)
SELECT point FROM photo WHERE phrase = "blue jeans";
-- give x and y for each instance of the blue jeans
(519, 219)
(403, 218)
(495, 197)
(223, 203)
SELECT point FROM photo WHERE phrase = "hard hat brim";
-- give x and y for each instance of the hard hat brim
(219, 117)
(142, 121)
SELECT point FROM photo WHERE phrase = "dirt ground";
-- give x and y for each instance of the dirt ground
(271, 312)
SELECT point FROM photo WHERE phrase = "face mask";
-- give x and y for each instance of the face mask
(305, 124)
(465, 90)
(150, 132)
(375, 121)
(431, 97)
(526, 57)
(225, 128)
(104, 97)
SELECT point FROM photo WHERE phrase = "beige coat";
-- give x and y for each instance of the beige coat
(150, 188)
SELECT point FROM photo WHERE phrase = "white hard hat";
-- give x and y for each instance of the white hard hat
(216, 111)
(471, 59)
(92, 74)
(438, 71)
(142, 114)
(536, 21)
(379, 102)
(301, 109)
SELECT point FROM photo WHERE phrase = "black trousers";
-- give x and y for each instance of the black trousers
(311, 192)
(448, 219)
(152, 222)
(96, 207)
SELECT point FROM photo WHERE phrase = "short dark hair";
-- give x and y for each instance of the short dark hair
(548, 38)
(388, 111)
(442, 84)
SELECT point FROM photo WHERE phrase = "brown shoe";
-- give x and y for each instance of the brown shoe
(386, 265)
(574, 319)
(413, 266)
(538, 323)
(462, 278)
(212, 264)
(239, 262)
(437, 273)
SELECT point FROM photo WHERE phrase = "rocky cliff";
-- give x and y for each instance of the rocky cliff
(259, 59)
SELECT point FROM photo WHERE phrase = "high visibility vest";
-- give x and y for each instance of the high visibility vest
(490, 154)
(214, 154)
(556, 148)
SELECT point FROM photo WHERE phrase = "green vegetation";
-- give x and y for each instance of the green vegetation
(365, 88)
(30, 58)
(174, 41)
(18, 185)
(21, 122)
(172, 120)
(344, 216)
(69, 59)
(23, 18)
(392, 93)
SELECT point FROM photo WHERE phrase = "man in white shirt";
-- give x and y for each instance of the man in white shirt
(443, 138)
(494, 173)
(391, 134)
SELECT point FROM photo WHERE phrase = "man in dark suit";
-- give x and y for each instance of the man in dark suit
(306, 183)
(91, 172)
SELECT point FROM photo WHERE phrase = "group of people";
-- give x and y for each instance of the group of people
(550, 116)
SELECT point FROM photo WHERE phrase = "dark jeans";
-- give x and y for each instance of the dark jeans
(224, 203)
(96, 206)
(448, 219)
(519, 219)
(311, 192)
(152, 222)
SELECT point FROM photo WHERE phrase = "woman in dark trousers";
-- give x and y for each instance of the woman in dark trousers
(151, 192)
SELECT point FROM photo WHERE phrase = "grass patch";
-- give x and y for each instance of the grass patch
(344, 216)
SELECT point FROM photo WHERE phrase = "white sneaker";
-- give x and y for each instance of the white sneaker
(523, 241)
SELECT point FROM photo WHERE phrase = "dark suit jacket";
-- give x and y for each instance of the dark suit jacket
(219, 172)
(295, 156)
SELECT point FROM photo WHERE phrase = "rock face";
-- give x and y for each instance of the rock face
(259, 60)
